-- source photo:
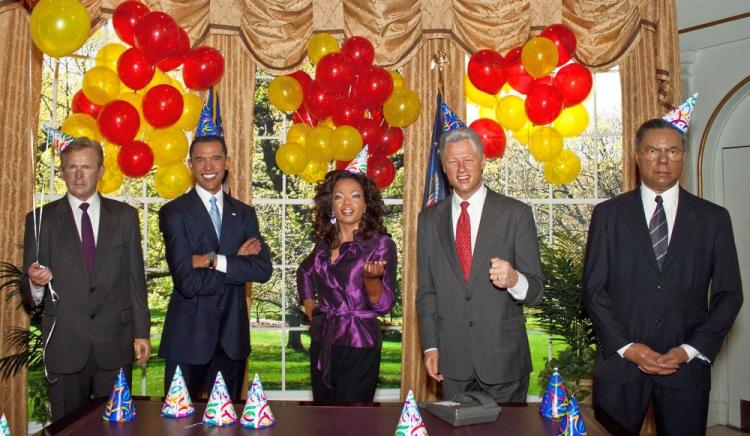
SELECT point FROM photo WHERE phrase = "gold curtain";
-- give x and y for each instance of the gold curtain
(19, 114)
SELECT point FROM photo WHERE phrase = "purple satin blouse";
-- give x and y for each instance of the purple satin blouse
(344, 315)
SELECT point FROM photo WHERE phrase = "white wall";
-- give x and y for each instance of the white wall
(713, 61)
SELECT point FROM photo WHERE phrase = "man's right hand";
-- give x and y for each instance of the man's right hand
(249, 247)
(39, 275)
(431, 363)
(647, 360)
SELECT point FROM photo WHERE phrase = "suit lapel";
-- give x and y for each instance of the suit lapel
(636, 221)
(203, 219)
(67, 232)
(683, 226)
(492, 218)
(228, 221)
(445, 235)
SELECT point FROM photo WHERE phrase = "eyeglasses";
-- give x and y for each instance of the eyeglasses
(652, 154)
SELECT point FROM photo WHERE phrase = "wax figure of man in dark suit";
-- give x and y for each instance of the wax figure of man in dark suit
(88, 270)
(213, 246)
(662, 285)
(477, 269)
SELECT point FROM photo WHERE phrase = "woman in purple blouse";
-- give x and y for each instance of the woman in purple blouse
(346, 282)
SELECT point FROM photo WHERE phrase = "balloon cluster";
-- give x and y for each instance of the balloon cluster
(350, 103)
(551, 97)
(134, 108)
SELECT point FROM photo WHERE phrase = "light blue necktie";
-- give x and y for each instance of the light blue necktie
(215, 217)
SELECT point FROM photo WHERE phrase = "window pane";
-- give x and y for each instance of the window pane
(265, 357)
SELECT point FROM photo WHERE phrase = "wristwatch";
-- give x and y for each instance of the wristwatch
(211, 260)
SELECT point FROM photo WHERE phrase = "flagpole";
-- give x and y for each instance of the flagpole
(439, 61)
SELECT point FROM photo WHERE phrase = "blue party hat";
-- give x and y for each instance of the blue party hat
(451, 121)
(679, 118)
(120, 407)
(572, 422)
(555, 401)
(209, 123)
(359, 163)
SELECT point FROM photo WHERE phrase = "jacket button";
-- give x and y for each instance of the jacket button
(92, 289)
(471, 323)
(468, 297)
(92, 316)
(660, 287)
(658, 322)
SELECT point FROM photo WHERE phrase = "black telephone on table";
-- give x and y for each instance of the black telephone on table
(465, 408)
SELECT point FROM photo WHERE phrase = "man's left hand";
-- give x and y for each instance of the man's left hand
(142, 351)
(502, 273)
(675, 356)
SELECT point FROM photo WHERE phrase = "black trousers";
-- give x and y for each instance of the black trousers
(513, 391)
(354, 374)
(621, 408)
(68, 392)
(200, 378)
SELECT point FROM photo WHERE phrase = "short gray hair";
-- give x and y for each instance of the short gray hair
(458, 135)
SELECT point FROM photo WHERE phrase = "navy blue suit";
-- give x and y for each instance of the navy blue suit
(208, 314)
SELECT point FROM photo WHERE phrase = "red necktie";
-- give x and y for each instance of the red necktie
(463, 240)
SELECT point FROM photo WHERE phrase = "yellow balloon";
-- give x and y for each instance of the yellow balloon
(298, 134)
(549, 174)
(170, 146)
(402, 108)
(191, 112)
(318, 143)
(285, 93)
(177, 84)
(545, 144)
(523, 134)
(108, 55)
(572, 121)
(320, 45)
(315, 171)
(101, 85)
(398, 79)
(511, 112)
(539, 57)
(328, 122)
(159, 79)
(80, 125)
(565, 167)
(291, 158)
(476, 96)
(487, 112)
(111, 179)
(59, 27)
(110, 155)
(346, 142)
(173, 180)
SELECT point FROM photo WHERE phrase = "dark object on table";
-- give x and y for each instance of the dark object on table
(465, 409)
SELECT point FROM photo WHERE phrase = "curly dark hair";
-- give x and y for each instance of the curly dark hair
(372, 219)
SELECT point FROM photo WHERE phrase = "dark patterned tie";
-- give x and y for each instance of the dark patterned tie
(87, 237)
(659, 232)
(463, 240)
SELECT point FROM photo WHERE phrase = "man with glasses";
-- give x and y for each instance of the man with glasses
(662, 285)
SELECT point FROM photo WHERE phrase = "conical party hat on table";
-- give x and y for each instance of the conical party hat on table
(555, 401)
(4, 427)
(679, 117)
(359, 163)
(219, 410)
(572, 423)
(257, 413)
(177, 404)
(410, 423)
(120, 407)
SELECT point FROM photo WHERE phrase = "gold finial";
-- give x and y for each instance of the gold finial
(439, 61)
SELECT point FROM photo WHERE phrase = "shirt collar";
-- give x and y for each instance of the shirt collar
(205, 196)
(476, 198)
(669, 197)
(94, 201)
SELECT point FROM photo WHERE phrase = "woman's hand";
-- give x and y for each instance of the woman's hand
(309, 307)
(374, 269)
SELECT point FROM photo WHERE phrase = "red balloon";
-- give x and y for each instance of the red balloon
(135, 159)
(178, 57)
(381, 170)
(301, 115)
(574, 82)
(156, 36)
(372, 87)
(377, 115)
(162, 106)
(370, 131)
(487, 71)
(318, 102)
(348, 113)
(302, 77)
(543, 104)
(203, 68)
(546, 80)
(492, 136)
(125, 17)
(82, 105)
(518, 78)
(359, 50)
(390, 141)
(119, 122)
(335, 73)
(134, 69)
(341, 164)
(564, 40)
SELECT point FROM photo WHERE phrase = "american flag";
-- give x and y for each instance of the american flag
(436, 185)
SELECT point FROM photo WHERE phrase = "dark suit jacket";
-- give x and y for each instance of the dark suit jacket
(693, 300)
(476, 326)
(207, 305)
(103, 311)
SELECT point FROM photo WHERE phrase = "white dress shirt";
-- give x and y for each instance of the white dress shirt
(205, 196)
(670, 199)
